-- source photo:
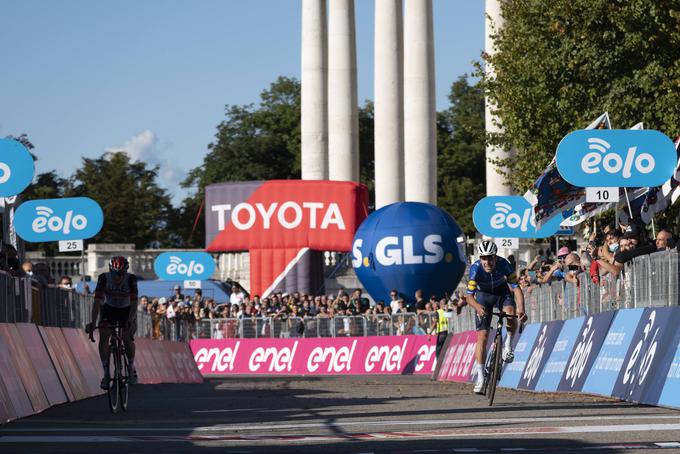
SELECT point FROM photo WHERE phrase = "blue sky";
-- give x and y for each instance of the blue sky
(152, 77)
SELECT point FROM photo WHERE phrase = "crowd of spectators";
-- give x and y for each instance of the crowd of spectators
(603, 258)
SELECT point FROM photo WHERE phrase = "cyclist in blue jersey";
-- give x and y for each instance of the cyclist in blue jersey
(493, 284)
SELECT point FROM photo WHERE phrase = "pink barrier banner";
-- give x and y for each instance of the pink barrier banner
(459, 358)
(316, 356)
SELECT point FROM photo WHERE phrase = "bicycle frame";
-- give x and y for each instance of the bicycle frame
(493, 366)
(118, 387)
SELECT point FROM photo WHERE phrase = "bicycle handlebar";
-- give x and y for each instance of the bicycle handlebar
(503, 314)
(95, 327)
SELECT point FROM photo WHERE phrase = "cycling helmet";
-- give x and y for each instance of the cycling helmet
(486, 248)
(118, 264)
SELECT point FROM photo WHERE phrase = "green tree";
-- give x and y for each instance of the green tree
(461, 153)
(259, 143)
(560, 64)
(136, 209)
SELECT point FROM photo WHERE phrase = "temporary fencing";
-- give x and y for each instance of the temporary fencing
(313, 356)
(44, 366)
(646, 281)
(631, 354)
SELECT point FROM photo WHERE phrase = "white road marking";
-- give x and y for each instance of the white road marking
(227, 428)
(444, 433)
(229, 410)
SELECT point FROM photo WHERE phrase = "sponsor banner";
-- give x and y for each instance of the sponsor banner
(616, 158)
(24, 367)
(64, 361)
(16, 167)
(311, 356)
(448, 355)
(650, 342)
(662, 362)
(559, 358)
(90, 365)
(539, 354)
(670, 393)
(75, 218)
(15, 402)
(170, 266)
(607, 365)
(583, 356)
(49, 380)
(513, 371)
(462, 358)
(510, 217)
(321, 215)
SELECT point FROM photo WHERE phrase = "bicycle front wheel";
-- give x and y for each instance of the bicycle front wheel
(114, 382)
(495, 367)
(124, 381)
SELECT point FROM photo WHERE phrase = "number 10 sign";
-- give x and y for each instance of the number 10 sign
(602, 195)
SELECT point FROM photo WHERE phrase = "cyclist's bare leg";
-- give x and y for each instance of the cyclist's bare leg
(482, 337)
(129, 343)
(104, 339)
(511, 322)
(512, 327)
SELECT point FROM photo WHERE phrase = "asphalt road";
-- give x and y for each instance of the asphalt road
(387, 414)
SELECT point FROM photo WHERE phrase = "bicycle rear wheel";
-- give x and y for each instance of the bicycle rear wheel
(124, 381)
(495, 367)
(114, 382)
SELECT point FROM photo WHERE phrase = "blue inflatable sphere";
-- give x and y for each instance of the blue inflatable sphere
(408, 246)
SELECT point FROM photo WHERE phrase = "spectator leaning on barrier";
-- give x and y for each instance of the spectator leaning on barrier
(237, 296)
(394, 301)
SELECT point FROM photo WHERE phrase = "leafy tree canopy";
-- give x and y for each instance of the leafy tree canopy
(560, 64)
(135, 208)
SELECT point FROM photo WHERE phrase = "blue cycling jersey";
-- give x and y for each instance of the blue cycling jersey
(496, 282)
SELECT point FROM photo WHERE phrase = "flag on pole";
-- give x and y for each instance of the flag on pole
(661, 197)
(551, 195)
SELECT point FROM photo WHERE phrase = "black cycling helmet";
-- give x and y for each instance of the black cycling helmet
(118, 264)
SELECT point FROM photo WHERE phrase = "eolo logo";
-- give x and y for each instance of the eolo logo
(510, 217)
(184, 265)
(75, 218)
(616, 158)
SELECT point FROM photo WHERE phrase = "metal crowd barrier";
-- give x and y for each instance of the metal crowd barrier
(646, 281)
(338, 326)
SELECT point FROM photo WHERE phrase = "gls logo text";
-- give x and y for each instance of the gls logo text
(16, 167)
(395, 250)
(76, 218)
(616, 158)
(511, 217)
(184, 265)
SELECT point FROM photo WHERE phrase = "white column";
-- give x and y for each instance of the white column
(314, 86)
(420, 145)
(494, 182)
(389, 102)
(343, 119)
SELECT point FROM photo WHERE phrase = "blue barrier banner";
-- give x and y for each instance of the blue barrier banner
(513, 371)
(649, 344)
(605, 370)
(664, 357)
(583, 356)
(559, 358)
(540, 353)
(670, 394)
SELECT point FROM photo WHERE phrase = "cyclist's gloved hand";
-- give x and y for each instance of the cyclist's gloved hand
(481, 312)
(522, 316)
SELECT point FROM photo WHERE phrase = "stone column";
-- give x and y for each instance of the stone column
(389, 102)
(420, 143)
(314, 86)
(494, 182)
(343, 119)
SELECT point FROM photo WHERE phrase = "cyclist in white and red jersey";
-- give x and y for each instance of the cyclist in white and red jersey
(115, 300)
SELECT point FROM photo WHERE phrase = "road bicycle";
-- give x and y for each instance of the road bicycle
(119, 380)
(494, 359)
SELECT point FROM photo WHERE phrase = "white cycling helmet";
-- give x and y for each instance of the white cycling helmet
(486, 248)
